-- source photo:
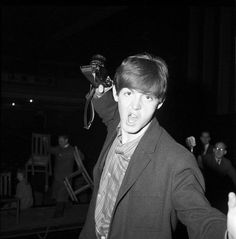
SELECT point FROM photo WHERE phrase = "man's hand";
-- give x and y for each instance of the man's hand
(100, 90)
(231, 216)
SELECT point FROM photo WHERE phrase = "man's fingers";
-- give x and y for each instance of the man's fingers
(101, 89)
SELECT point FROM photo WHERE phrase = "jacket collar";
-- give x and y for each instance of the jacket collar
(148, 141)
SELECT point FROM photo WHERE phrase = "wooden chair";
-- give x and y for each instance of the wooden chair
(40, 160)
(6, 195)
(5, 184)
(88, 183)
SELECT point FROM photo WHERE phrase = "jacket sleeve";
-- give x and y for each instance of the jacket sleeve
(193, 209)
(106, 107)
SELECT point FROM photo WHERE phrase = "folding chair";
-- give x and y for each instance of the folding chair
(80, 172)
(40, 160)
(6, 195)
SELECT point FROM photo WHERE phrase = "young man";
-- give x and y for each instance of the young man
(144, 181)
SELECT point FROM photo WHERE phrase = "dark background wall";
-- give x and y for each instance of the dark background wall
(197, 42)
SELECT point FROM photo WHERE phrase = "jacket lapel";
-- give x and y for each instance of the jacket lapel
(140, 158)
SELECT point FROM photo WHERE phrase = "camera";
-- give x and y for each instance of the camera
(96, 72)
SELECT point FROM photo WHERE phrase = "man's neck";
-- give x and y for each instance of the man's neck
(126, 137)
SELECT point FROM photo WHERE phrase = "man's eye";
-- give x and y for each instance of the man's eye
(148, 97)
(127, 93)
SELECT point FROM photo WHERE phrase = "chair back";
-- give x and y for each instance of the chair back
(40, 158)
(81, 171)
(38, 147)
(5, 184)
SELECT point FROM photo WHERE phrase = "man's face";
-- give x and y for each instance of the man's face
(205, 138)
(219, 150)
(62, 141)
(20, 176)
(136, 109)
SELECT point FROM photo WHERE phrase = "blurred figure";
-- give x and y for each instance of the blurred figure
(204, 148)
(220, 176)
(63, 166)
(191, 143)
(23, 192)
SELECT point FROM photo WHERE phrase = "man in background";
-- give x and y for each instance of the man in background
(220, 176)
(63, 166)
(204, 148)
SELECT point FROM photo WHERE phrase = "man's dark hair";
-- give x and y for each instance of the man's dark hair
(143, 72)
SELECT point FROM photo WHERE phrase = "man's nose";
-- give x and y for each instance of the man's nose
(136, 104)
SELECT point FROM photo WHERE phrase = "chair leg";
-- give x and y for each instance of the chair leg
(32, 169)
(70, 190)
(26, 173)
(46, 181)
(18, 211)
(50, 168)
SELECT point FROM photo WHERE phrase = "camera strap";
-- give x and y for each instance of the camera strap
(89, 109)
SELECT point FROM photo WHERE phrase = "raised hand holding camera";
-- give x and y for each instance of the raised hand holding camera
(100, 82)
(96, 72)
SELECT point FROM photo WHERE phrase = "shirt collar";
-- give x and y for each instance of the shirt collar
(119, 133)
(218, 161)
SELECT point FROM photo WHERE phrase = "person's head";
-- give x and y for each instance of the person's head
(140, 85)
(205, 137)
(63, 140)
(219, 150)
(20, 174)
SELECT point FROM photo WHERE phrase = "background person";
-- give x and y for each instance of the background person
(63, 166)
(204, 148)
(220, 176)
(23, 192)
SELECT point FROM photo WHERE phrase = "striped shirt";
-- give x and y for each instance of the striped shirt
(114, 170)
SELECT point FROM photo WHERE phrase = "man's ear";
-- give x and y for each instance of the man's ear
(114, 93)
(160, 104)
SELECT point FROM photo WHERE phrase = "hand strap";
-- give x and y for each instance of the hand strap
(89, 106)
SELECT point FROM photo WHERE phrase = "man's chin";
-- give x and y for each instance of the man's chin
(131, 129)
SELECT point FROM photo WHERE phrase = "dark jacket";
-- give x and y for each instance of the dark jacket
(162, 183)
(63, 166)
(64, 161)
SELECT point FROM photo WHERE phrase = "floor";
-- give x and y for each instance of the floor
(40, 222)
